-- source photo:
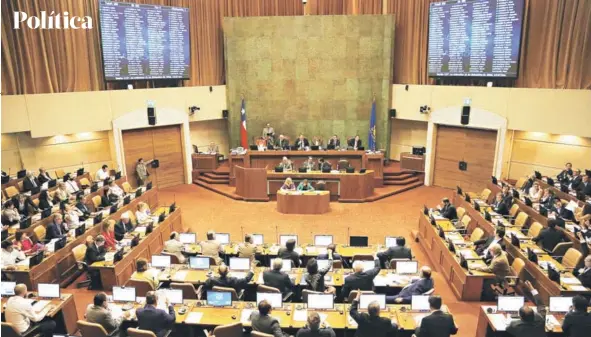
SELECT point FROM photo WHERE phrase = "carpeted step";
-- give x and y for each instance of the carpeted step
(214, 181)
(402, 182)
(213, 176)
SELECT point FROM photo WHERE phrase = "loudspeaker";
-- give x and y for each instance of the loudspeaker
(225, 114)
(392, 113)
(152, 120)
(463, 166)
(465, 120)
(151, 112)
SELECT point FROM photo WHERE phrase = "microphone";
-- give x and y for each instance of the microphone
(277, 233)
(348, 234)
(242, 231)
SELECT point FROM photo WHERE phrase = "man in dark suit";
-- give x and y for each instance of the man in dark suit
(123, 227)
(81, 206)
(576, 179)
(499, 206)
(370, 324)
(397, 252)
(262, 322)
(223, 280)
(335, 256)
(30, 182)
(334, 141)
(547, 199)
(282, 142)
(43, 176)
(529, 324)
(360, 280)
(314, 329)
(153, 319)
(448, 210)
(584, 273)
(288, 253)
(577, 323)
(438, 323)
(277, 279)
(560, 211)
(355, 143)
(507, 196)
(302, 143)
(483, 245)
(585, 186)
(551, 236)
(55, 229)
(566, 173)
(95, 252)
(418, 287)
(323, 164)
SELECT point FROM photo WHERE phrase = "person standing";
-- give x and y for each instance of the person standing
(141, 171)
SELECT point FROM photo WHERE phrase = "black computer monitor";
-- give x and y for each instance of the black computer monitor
(476, 206)
(515, 193)
(279, 169)
(113, 209)
(467, 198)
(127, 200)
(80, 171)
(487, 216)
(350, 169)
(94, 187)
(80, 230)
(494, 180)
(302, 170)
(138, 192)
(45, 213)
(118, 256)
(515, 241)
(538, 175)
(35, 190)
(314, 147)
(172, 207)
(358, 241)
(425, 210)
(543, 211)
(21, 174)
(553, 274)
(550, 181)
(52, 183)
(161, 217)
(528, 202)
(35, 259)
(330, 147)
(98, 218)
(149, 186)
(59, 244)
(532, 256)
(25, 222)
(253, 147)
(118, 175)
(459, 190)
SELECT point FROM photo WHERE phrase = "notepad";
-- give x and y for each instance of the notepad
(40, 305)
(300, 315)
(498, 321)
(245, 315)
(194, 317)
(570, 280)
(578, 288)
(180, 275)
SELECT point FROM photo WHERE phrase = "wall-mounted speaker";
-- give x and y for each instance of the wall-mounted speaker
(225, 114)
(463, 166)
(152, 120)
(151, 112)
(465, 120)
(392, 113)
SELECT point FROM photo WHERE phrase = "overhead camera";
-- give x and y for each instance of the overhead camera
(425, 109)
(192, 110)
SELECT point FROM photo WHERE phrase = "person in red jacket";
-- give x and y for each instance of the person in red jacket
(108, 232)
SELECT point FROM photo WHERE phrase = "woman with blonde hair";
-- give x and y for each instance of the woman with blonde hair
(61, 192)
(108, 232)
(288, 185)
(143, 214)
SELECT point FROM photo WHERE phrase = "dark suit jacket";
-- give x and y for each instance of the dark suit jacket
(83, 208)
(508, 200)
(549, 238)
(26, 208)
(584, 277)
(564, 175)
(94, 254)
(28, 183)
(121, 229)
(547, 203)
(519, 328)
(54, 231)
(418, 287)
(42, 179)
(396, 252)
(287, 255)
(449, 211)
(371, 326)
(266, 324)
(576, 182)
(228, 282)
(361, 281)
(437, 324)
(500, 207)
(298, 143)
(44, 204)
(564, 213)
(322, 332)
(586, 189)
(351, 143)
(577, 324)
(279, 280)
(336, 143)
(155, 320)
(282, 143)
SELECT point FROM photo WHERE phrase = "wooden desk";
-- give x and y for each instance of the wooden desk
(345, 187)
(204, 162)
(64, 313)
(412, 162)
(270, 159)
(59, 267)
(151, 244)
(466, 285)
(316, 202)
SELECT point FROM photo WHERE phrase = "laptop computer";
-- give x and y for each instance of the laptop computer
(284, 238)
(358, 241)
(275, 299)
(366, 299)
(322, 240)
(219, 298)
(320, 301)
(199, 262)
(48, 290)
(124, 294)
(419, 303)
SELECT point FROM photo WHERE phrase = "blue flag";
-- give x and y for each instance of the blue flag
(371, 143)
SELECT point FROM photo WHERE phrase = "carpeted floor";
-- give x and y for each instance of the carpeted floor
(397, 215)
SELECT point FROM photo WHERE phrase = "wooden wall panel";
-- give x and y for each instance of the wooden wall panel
(474, 146)
(405, 134)
(204, 132)
(162, 143)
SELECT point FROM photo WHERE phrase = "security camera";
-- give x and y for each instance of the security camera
(425, 109)
(192, 110)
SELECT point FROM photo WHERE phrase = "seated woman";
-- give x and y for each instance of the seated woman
(61, 193)
(305, 186)
(108, 232)
(10, 215)
(286, 164)
(24, 205)
(44, 200)
(114, 193)
(143, 213)
(143, 273)
(535, 192)
(74, 214)
(23, 243)
(288, 185)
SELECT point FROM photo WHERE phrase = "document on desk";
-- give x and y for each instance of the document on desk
(577, 288)
(245, 315)
(351, 321)
(40, 305)
(438, 217)
(570, 280)
(498, 321)
(24, 262)
(194, 318)
(180, 275)
(551, 320)
(300, 315)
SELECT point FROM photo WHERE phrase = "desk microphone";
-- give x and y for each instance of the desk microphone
(349, 233)
(277, 233)
(242, 231)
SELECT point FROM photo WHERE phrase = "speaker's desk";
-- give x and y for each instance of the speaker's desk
(313, 202)
(270, 159)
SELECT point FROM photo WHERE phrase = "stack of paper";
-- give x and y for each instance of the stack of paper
(40, 305)
(300, 315)
(180, 275)
(570, 280)
(245, 315)
(498, 321)
(194, 318)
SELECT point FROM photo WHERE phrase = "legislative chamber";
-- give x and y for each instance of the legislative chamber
(307, 168)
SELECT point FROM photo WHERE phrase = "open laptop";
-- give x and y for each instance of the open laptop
(257, 239)
(407, 267)
(286, 267)
(390, 241)
(284, 238)
(358, 241)
(222, 238)
(322, 240)
(323, 264)
(559, 304)
(366, 299)
(124, 294)
(219, 298)
(198, 262)
(275, 299)
(48, 290)
(419, 303)
(510, 304)
(160, 261)
(175, 296)
(368, 265)
(188, 238)
(239, 263)
(7, 289)
(320, 301)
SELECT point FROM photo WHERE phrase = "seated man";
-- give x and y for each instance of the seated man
(577, 323)
(10, 255)
(483, 245)
(286, 164)
(211, 247)
(143, 273)
(334, 142)
(268, 131)
(223, 280)
(561, 212)
(71, 186)
(19, 312)
(438, 323)
(282, 143)
(30, 182)
(585, 186)
(400, 251)
(332, 247)
(371, 324)
(418, 287)
(507, 196)
(499, 206)
(355, 143)
(275, 278)
(100, 313)
(302, 143)
(360, 280)
(530, 323)
(499, 266)
(567, 173)
(95, 250)
(43, 176)
(309, 164)
(114, 193)
(247, 249)
(262, 321)
(313, 329)
(576, 180)
(551, 236)
(123, 227)
(153, 319)
(305, 186)
(55, 229)
(175, 246)
(102, 173)
(584, 273)
(547, 200)
(288, 253)
(448, 210)
(314, 277)
(324, 165)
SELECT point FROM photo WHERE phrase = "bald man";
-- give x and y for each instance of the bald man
(418, 287)
(499, 266)
(314, 328)
(224, 280)
(529, 324)
(277, 279)
(211, 247)
(19, 312)
(584, 273)
(175, 246)
(362, 280)
(370, 324)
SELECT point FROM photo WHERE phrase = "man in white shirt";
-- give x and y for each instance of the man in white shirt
(19, 312)
(115, 190)
(10, 255)
(102, 174)
(175, 246)
(72, 186)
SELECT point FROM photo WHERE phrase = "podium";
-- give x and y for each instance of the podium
(251, 183)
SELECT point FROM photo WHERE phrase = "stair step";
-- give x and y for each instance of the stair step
(211, 175)
(213, 189)
(398, 173)
(402, 182)
(399, 177)
(213, 181)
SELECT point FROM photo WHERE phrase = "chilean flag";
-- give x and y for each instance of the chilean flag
(243, 134)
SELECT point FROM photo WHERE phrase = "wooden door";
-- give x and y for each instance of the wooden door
(474, 146)
(162, 143)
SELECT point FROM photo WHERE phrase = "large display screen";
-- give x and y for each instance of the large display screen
(144, 42)
(475, 38)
